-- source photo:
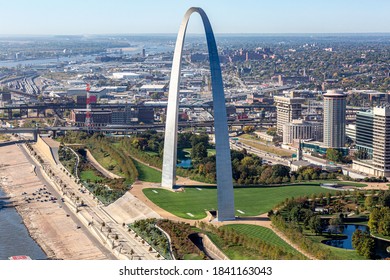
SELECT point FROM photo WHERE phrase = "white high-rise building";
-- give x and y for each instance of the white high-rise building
(381, 141)
(287, 109)
(334, 119)
(373, 136)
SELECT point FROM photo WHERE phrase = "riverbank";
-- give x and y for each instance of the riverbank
(47, 219)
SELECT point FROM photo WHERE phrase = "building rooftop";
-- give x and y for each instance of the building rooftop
(334, 93)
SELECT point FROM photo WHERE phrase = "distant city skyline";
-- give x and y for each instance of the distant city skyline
(71, 17)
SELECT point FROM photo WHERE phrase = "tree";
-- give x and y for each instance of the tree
(271, 131)
(385, 199)
(333, 155)
(334, 224)
(315, 224)
(198, 152)
(248, 128)
(368, 202)
(279, 170)
(364, 244)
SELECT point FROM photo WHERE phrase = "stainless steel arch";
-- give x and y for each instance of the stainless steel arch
(223, 163)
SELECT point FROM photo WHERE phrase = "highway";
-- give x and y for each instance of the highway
(135, 127)
(270, 158)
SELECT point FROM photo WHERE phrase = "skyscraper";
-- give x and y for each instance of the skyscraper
(287, 109)
(334, 119)
(373, 137)
(364, 133)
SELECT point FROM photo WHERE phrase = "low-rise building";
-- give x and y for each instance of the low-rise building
(99, 117)
(300, 129)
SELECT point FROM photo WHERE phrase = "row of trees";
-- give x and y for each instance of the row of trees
(294, 233)
(247, 168)
(147, 230)
(252, 246)
(107, 190)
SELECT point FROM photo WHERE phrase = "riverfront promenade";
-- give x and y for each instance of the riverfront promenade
(62, 228)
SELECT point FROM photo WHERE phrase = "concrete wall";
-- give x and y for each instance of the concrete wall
(42, 145)
(212, 249)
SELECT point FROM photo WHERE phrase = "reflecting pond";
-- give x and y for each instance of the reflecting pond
(347, 230)
(346, 243)
(185, 163)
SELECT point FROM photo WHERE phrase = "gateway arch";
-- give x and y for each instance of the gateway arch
(223, 160)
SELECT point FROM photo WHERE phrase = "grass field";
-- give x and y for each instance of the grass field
(248, 201)
(187, 151)
(265, 234)
(146, 173)
(352, 184)
(89, 175)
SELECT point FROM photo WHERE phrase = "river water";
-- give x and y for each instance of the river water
(46, 61)
(14, 237)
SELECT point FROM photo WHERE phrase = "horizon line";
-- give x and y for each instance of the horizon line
(200, 34)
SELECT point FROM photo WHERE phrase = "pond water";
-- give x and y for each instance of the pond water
(346, 243)
(185, 163)
(347, 230)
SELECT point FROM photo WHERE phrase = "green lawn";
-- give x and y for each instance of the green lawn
(265, 234)
(249, 201)
(89, 175)
(146, 173)
(187, 152)
(211, 152)
(352, 184)
(238, 252)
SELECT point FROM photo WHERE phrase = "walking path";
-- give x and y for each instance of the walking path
(99, 167)
(99, 220)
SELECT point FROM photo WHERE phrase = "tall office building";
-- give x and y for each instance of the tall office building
(334, 119)
(287, 109)
(364, 132)
(373, 136)
(381, 141)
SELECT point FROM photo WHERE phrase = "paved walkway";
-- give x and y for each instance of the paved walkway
(94, 213)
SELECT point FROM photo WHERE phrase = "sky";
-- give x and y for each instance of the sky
(81, 17)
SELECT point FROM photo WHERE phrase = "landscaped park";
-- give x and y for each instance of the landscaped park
(194, 202)
(303, 213)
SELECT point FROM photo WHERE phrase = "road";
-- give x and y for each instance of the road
(271, 158)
